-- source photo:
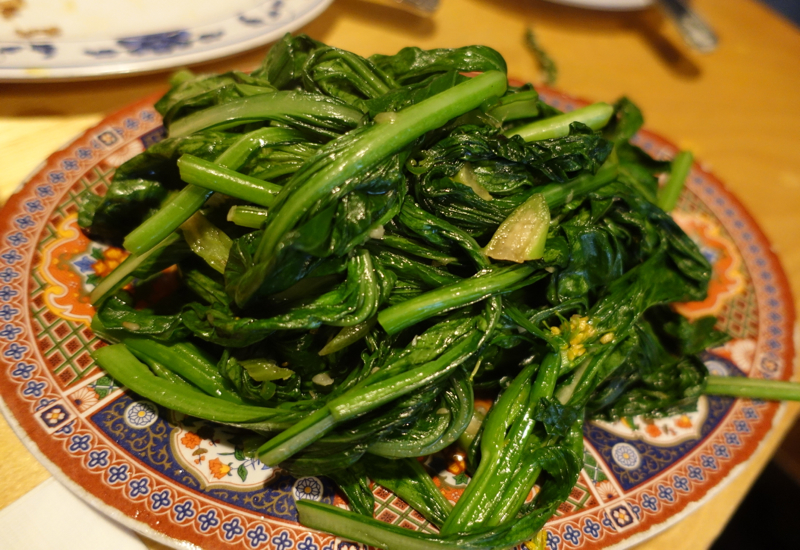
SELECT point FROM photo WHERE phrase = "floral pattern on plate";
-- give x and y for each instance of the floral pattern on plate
(213, 453)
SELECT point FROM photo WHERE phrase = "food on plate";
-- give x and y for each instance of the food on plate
(365, 244)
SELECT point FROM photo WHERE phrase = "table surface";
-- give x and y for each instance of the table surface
(736, 109)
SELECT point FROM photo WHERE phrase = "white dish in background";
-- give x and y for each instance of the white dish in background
(90, 38)
(610, 5)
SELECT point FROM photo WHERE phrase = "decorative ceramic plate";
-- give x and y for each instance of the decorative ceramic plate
(181, 480)
(90, 38)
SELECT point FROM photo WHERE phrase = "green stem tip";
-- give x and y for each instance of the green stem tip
(753, 388)
(595, 116)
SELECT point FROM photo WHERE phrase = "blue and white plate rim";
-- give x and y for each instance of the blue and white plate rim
(35, 60)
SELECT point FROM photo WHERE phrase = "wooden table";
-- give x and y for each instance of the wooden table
(737, 109)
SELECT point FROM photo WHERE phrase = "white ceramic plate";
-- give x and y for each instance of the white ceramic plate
(610, 5)
(90, 38)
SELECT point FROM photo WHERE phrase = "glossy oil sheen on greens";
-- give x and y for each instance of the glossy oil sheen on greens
(334, 224)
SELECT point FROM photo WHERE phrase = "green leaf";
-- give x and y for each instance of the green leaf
(143, 183)
(462, 478)
(625, 122)
(413, 64)
(557, 418)
(119, 318)
(242, 471)
(409, 480)
(354, 483)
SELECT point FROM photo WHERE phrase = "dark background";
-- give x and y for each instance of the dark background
(789, 8)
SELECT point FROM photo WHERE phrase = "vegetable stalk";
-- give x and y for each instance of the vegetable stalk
(330, 117)
(752, 388)
(360, 400)
(395, 318)
(373, 144)
(192, 197)
(176, 211)
(123, 366)
(208, 175)
(668, 195)
(595, 116)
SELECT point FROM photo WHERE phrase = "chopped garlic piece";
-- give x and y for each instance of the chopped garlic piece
(466, 176)
(322, 379)
(377, 233)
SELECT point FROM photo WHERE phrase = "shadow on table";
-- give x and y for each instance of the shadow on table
(378, 15)
(649, 24)
(767, 517)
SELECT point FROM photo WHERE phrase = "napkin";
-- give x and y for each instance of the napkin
(50, 516)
